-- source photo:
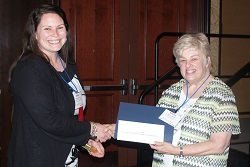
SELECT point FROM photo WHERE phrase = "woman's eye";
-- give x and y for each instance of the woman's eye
(193, 59)
(47, 29)
(61, 27)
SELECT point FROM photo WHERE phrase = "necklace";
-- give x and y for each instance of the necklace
(187, 99)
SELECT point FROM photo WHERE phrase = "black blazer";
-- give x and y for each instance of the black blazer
(44, 125)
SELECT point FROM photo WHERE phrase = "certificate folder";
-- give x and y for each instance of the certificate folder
(143, 114)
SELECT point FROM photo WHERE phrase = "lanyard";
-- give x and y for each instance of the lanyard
(187, 99)
(64, 69)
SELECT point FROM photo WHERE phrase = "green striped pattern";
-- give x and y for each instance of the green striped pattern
(214, 111)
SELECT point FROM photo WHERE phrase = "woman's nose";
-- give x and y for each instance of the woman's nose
(55, 33)
(187, 63)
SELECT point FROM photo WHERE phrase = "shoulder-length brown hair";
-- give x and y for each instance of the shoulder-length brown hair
(30, 46)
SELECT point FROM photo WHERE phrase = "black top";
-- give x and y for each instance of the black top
(44, 125)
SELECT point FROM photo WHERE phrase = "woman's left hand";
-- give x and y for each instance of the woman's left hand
(97, 149)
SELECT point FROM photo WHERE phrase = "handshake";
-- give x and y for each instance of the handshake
(102, 132)
(99, 133)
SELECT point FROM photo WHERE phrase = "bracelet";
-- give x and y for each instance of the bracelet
(181, 152)
(94, 130)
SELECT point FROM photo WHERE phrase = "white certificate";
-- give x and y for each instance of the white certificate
(140, 132)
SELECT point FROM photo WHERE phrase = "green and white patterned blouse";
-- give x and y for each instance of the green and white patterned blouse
(214, 111)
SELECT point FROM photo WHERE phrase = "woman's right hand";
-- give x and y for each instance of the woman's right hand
(101, 132)
(110, 128)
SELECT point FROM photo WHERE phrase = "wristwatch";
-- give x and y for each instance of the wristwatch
(94, 130)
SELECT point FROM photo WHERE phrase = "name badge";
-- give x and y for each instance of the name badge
(79, 95)
(170, 117)
(78, 99)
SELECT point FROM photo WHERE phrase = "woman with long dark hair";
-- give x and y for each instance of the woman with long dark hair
(49, 99)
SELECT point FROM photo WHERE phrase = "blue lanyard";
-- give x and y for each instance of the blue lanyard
(187, 99)
(64, 69)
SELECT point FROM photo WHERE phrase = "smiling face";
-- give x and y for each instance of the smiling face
(194, 66)
(51, 34)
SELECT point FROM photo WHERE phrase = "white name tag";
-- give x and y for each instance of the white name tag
(78, 99)
(79, 96)
(172, 118)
